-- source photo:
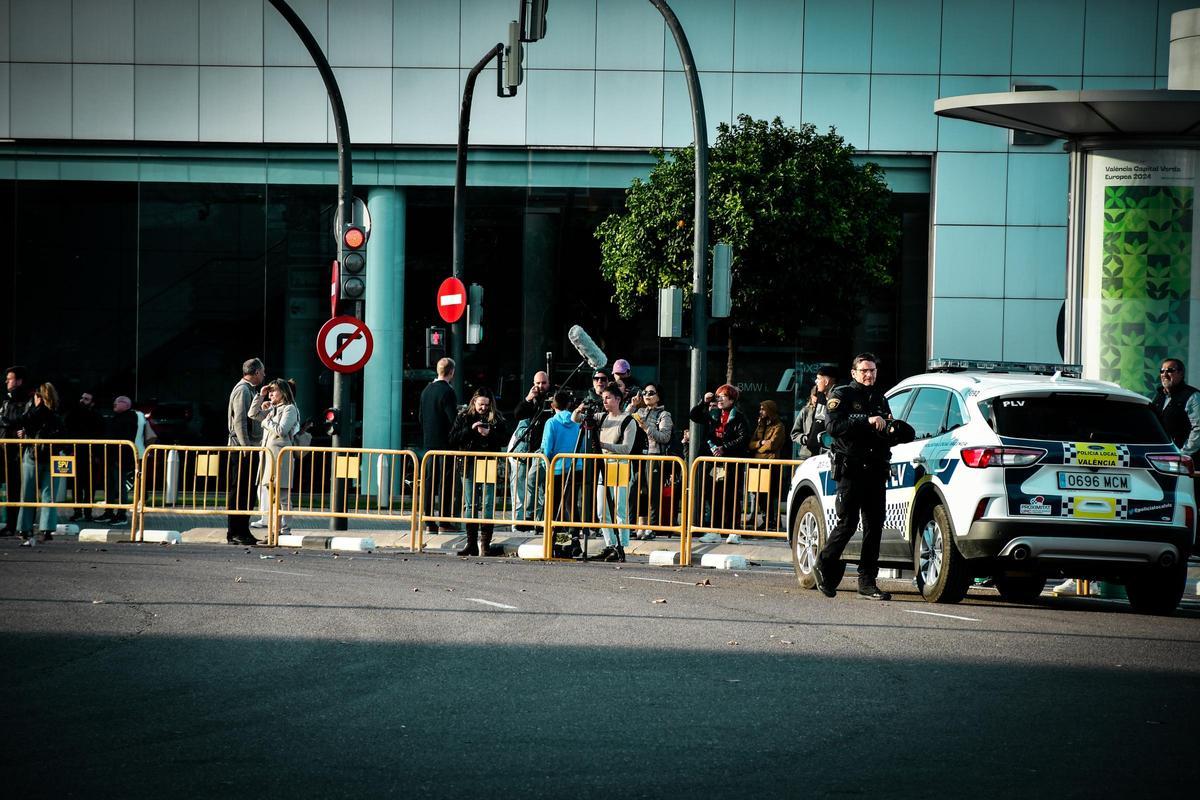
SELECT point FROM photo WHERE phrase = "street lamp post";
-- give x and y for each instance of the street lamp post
(699, 346)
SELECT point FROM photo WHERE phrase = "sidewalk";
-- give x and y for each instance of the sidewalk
(314, 532)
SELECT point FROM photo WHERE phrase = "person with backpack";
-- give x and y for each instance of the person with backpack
(618, 435)
(655, 428)
(41, 421)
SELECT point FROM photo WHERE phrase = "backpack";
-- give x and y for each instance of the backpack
(641, 442)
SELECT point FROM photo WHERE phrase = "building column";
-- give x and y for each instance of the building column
(537, 280)
(383, 376)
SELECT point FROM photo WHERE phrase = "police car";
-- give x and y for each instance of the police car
(1020, 473)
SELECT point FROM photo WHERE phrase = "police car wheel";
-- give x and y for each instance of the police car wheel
(941, 570)
(1019, 588)
(808, 537)
(1157, 591)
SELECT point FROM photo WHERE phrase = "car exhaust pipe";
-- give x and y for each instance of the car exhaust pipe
(1021, 552)
(1167, 559)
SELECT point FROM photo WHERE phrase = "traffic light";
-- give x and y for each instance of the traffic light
(332, 421)
(474, 314)
(354, 262)
(535, 19)
(514, 55)
(435, 346)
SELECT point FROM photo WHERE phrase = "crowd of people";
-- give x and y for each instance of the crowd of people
(615, 416)
(33, 414)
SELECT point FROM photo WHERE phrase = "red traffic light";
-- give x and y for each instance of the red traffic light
(331, 415)
(354, 237)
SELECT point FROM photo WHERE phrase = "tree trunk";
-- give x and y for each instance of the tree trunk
(729, 356)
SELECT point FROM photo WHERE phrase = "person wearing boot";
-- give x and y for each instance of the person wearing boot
(280, 419)
(618, 431)
(479, 428)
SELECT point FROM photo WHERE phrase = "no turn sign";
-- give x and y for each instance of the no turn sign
(344, 344)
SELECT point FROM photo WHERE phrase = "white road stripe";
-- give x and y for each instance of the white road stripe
(490, 603)
(273, 571)
(935, 614)
(658, 580)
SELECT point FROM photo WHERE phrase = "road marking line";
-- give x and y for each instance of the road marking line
(490, 603)
(658, 580)
(275, 571)
(935, 614)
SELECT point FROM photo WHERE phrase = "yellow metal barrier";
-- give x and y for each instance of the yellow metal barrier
(373, 484)
(481, 488)
(202, 481)
(746, 496)
(40, 474)
(615, 493)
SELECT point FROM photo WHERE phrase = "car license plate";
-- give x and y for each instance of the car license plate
(1094, 481)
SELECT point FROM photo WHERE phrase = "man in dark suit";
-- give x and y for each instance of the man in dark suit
(439, 407)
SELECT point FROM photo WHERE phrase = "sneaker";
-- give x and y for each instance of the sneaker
(873, 593)
(645, 535)
(733, 538)
(822, 585)
(26, 541)
(47, 536)
(1066, 587)
(258, 523)
(710, 537)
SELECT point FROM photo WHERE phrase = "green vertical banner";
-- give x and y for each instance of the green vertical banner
(1139, 284)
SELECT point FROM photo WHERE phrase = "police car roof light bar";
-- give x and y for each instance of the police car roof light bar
(965, 364)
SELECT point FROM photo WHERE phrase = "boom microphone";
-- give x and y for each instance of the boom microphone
(587, 348)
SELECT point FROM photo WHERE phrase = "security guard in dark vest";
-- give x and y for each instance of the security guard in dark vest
(860, 421)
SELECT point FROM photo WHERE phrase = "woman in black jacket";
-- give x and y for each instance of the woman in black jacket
(41, 421)
(479, 428)
(727, 434)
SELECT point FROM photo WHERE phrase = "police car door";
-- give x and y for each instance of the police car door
(922, 459)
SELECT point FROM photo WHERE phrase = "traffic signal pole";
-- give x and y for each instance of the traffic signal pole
(341, 387)
(458, 329)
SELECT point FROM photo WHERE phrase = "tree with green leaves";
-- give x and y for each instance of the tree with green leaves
(811, 232)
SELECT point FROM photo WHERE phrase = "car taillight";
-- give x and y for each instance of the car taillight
(980, 457)
(1171, 463)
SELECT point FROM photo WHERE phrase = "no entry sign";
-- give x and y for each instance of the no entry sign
(451, 300)
(344, 344)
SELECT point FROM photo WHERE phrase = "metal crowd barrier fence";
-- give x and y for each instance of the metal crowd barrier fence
(40, 476)
(746, 496)
(198, 480)
(601, 491)
(374, 484)
(460, 487)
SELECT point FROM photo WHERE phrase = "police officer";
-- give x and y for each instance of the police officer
(863, 430)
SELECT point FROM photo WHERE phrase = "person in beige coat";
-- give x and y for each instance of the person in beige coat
(280, 419)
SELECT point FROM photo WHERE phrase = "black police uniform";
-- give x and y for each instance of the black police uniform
(865, 456)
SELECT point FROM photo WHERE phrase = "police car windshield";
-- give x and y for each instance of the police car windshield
(1074, 418)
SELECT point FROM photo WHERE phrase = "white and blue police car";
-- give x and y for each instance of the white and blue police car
(1021, 473)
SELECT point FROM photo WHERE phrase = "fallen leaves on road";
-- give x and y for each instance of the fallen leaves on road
(659, 600)
(733, 642)
(705, 582)
(238, 579)
(97, 602)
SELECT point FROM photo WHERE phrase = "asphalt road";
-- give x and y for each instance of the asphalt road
(156, 671)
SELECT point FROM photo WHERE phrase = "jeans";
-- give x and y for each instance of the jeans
(527, 483)
(37, 486)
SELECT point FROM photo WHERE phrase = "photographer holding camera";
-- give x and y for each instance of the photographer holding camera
(860, 421)
(527, 478)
